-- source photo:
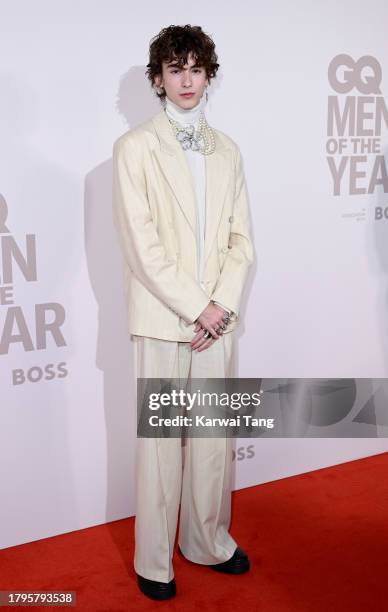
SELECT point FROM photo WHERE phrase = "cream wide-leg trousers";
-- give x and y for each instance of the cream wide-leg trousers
(194, 473)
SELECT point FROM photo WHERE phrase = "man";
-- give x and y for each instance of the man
(181, 212)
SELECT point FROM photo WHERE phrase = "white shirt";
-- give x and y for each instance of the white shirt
(196, 162)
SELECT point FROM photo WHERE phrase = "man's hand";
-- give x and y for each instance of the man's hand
(211, 319)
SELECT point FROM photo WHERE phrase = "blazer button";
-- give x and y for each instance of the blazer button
(231, 219)
(224, 249)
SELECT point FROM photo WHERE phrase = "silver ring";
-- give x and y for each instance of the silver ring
(206, 334)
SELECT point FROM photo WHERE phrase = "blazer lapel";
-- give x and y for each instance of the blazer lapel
(219, 170)
(175, 168)
(177, 172)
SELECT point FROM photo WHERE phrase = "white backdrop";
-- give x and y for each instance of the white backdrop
(72, 80)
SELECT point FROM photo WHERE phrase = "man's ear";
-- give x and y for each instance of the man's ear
(158, 81)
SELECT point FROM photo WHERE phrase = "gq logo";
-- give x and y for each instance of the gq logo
(357, 117)
(352, 74)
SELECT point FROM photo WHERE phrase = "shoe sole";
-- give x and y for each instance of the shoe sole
(161, 596)
(237, 569)
(243, 567)
(155, 597)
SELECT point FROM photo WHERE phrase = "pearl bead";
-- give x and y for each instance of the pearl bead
(201, 140)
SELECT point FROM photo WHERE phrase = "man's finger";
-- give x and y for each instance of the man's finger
(199, 342)
(213, 332)
(198, 336)
(206, 344)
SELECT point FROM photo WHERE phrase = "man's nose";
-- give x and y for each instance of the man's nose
(187, 79)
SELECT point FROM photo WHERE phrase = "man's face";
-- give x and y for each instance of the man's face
(178, 81)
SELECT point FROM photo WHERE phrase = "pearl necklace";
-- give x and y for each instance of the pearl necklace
(201, 140)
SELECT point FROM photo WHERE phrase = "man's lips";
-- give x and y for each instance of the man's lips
(187, 95)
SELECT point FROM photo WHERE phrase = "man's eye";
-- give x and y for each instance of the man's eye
(173, 71)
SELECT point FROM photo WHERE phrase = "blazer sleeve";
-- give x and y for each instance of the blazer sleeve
(240, 254)
(139, 239)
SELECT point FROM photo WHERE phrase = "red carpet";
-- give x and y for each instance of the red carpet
(318, 541)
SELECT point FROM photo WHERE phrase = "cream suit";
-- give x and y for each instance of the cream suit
(155, 214)
(154, 211)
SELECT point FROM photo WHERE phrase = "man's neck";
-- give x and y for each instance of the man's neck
(184, 116)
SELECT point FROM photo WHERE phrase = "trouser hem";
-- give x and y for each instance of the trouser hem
(153, 575)
(210, 560)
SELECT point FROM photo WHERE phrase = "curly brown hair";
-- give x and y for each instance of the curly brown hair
(175, 43)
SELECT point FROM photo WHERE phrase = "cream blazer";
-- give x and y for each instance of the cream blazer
(155, 216)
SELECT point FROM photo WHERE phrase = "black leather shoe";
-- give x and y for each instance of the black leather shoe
(237, 564)
(155, 589)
